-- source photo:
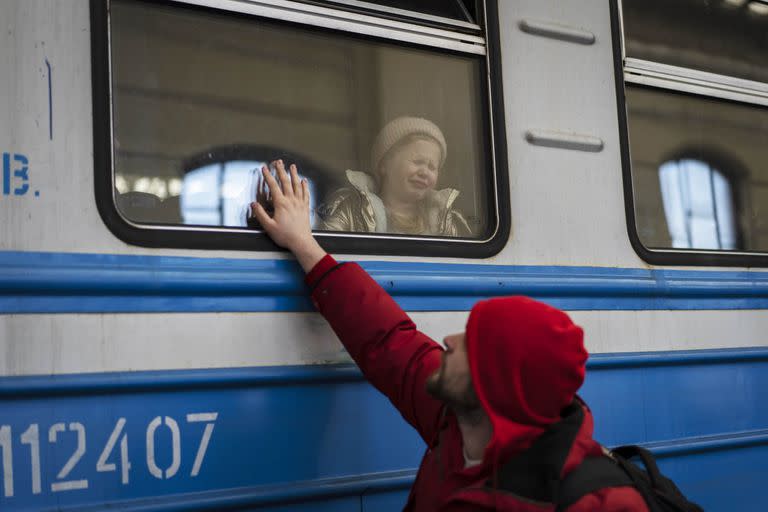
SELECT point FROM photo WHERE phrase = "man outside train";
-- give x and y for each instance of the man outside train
(497, 407)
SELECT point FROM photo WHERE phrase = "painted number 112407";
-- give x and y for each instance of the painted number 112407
(111, 458)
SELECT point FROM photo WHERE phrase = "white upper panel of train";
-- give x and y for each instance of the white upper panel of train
(567, 207)
(195, 104)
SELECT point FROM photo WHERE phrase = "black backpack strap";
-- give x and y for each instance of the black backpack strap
(660, 493)
(592, 474)
(535, 473)
(651, 469)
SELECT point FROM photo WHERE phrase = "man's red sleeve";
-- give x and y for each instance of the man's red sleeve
(381, 338)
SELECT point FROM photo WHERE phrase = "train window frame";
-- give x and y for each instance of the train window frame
(681, 81)
(422, 16)
(364, 26)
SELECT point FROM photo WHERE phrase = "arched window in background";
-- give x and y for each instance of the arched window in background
(698, 205)
(212, 188)
(220, 194)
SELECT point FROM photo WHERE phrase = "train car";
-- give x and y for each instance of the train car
(159, 352)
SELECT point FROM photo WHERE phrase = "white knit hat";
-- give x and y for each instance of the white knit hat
(401, 127)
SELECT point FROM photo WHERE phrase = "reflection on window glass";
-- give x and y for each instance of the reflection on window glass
(727, 37)
(699, 171)
(697, 205)
(391, 138)
(221, 194)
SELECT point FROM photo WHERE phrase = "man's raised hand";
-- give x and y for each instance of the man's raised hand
(289, 225)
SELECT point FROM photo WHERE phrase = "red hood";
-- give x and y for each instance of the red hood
(527, 361)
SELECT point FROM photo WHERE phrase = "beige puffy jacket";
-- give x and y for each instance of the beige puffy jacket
(357, 208)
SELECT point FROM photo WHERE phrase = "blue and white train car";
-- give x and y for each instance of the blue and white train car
(157, 352)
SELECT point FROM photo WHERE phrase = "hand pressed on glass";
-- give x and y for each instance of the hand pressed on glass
(288, 223)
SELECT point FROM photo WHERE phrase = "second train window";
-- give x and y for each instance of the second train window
(699, 171)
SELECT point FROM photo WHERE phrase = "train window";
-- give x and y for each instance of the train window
(727, 37)
(393, 133)
(696, 172)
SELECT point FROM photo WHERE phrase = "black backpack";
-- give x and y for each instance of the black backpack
(594, 473)
(534, 474)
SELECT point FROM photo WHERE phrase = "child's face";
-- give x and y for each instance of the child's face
(412, 171)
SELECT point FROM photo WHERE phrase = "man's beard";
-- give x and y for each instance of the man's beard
(464, 403)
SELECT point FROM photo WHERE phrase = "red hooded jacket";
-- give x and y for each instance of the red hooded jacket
(526, 360)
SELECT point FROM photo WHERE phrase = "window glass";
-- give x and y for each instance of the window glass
(728, 37)
(219, 194)
(699, 171)
(392, 138)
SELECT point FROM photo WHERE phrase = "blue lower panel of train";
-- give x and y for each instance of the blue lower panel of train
(321, 439)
